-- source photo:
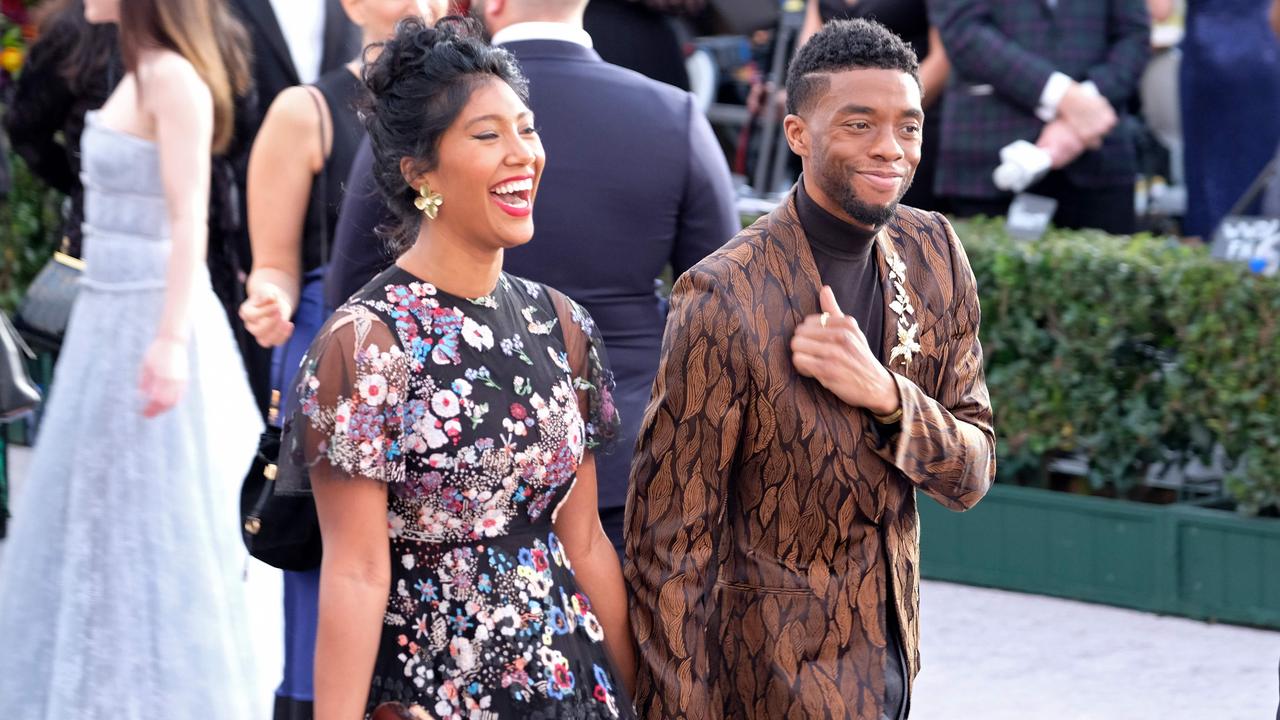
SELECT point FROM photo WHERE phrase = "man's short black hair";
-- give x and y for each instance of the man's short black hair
(845, 45)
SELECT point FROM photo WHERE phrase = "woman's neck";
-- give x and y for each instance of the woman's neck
(454, 265)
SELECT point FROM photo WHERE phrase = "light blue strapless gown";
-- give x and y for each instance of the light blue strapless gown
(121, 592)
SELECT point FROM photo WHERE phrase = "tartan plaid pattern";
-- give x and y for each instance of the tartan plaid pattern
(1013, 46)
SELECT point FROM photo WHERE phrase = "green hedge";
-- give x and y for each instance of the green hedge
(1130, 351)
(29, 232)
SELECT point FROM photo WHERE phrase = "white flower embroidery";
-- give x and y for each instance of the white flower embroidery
(463, 654)
(908, 345)
(445, 404)
(373, 388)
(431, 430)
(492, 523)
(477, 336)
(342, 416)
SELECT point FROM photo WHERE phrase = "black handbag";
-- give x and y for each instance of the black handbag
(283, 531)
(18, 393)
(45, 309)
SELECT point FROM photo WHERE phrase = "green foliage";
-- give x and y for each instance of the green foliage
(29, 232)
(1130, 350)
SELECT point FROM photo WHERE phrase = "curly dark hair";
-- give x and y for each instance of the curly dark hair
(845, 45)
(420, 81)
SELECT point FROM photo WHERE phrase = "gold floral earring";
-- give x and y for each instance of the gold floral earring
(428, 201)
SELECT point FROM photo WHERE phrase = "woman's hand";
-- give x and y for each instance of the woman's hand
(165, 370)
(266, 314)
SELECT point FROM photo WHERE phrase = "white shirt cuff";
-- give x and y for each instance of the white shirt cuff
(1052, 94)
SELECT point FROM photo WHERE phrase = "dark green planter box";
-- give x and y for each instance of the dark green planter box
(1173, 559)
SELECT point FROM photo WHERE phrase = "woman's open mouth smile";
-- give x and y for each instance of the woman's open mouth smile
(514, 195)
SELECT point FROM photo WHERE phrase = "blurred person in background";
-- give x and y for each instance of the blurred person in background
(1068, 96)
(300, 158)
(1230, 94)
(636, 183)
(641, 35)
(123, 591)
(72, 68)
(294, 42)
(909, 19)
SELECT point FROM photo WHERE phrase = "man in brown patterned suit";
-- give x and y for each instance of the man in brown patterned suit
(772, 533)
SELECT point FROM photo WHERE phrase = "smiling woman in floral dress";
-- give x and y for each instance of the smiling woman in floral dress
(457, 407)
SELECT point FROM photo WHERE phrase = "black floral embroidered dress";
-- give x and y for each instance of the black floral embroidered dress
(468, 409)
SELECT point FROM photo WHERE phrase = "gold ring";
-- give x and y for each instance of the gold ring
(823, 320)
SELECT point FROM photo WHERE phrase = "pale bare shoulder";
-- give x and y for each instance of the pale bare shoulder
(294, 111)
(168, 80)
(292, 122)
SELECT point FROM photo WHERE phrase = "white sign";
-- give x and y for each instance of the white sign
(1254, 241)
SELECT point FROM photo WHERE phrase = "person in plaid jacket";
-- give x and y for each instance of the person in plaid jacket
(1058, 73)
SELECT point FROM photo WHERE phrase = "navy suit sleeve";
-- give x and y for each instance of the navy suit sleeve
(1129, 27)
(708, 216)
(358, 252)
(981, 53)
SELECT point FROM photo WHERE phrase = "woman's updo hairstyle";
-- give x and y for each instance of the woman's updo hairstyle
(419, 83)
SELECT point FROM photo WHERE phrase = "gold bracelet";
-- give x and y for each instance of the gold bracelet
(889, 419)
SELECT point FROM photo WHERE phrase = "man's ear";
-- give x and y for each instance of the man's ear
(797, 132)
(491, 9)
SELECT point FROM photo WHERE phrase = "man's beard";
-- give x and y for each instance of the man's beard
(839, 187)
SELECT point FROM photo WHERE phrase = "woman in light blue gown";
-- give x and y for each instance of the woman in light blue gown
(121, 591)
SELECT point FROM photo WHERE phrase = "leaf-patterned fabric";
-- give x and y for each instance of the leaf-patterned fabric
(769, 524)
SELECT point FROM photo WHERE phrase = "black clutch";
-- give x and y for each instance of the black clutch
(46, 307)
(280, 530)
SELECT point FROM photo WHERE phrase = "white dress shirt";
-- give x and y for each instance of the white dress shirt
(542, 31)
(302, 23)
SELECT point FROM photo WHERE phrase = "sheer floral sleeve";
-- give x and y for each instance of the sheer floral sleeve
(352, 391)
(592, 377)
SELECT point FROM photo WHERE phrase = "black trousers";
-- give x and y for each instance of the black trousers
(1107, 208)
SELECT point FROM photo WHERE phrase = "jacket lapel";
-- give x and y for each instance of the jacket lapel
(902, 299)
(792, 261)
(259, 12)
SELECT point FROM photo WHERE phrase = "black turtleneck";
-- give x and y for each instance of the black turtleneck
(846, 260)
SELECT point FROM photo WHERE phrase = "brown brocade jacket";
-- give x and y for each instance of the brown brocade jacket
(768, 523)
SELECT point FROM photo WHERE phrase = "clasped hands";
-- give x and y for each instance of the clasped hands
(1084, 118)
(831, 348)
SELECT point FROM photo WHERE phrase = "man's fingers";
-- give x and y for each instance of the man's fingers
(809, 345)
(804, 363)
(827, 301)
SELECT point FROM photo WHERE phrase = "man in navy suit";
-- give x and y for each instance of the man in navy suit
(635, 181)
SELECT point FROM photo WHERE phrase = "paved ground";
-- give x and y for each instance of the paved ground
(995, 655)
